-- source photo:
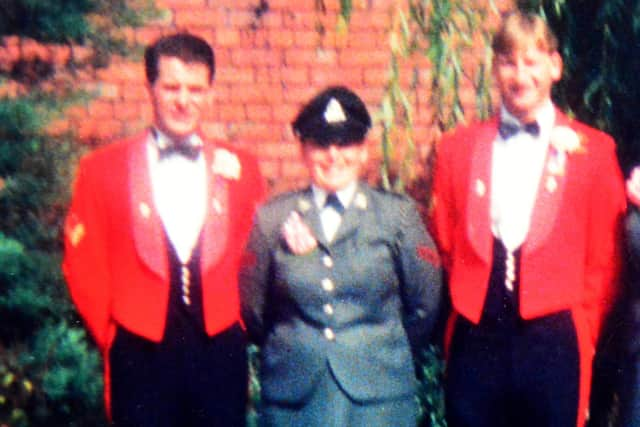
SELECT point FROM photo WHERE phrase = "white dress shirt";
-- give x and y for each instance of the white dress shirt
(329, 217)
(179, 188)
(517, 166)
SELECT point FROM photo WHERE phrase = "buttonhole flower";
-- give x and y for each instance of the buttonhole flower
(226, 164)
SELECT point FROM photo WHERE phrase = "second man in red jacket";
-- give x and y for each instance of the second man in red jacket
(526, 213)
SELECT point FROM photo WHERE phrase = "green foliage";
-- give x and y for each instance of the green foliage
(445, 32)
(599, 44)
(448, 28)
(69, 381)
(96, 24)
(67, 21)
(342, 24)
(430, 392)
(51, 380)
(50, 373)
(36, 169)
(346, 7)
(253, 353)
(44, 20)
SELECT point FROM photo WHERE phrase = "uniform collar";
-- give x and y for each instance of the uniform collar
(345, 195)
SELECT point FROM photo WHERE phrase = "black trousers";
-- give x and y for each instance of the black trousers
(186, 381)
(508, 372)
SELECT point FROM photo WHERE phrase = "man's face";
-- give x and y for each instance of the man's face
(334, 167)
(525, 78)
(179, 96)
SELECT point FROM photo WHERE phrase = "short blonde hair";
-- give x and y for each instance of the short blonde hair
(520, 29)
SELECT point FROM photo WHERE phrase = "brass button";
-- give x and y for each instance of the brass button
(186, 275)
(327, 261)
(329, 334)
(327, 285)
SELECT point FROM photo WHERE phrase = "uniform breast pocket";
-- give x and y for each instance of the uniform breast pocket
(298, 277)
(371, 263)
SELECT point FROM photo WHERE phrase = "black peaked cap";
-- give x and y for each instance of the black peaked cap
(334, 116)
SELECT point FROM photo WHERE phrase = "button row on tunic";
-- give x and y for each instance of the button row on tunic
(510, 273)
(327, 261)
(328, 309)
(327, 285)
(186, 284)
(329, 334)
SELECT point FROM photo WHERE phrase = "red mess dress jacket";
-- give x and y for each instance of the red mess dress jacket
(570, 258)
(116, 263)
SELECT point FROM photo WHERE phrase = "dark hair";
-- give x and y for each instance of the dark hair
(184, 46)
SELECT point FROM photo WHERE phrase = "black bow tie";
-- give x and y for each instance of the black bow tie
(508, 129)
(333, 201)
(189, 151)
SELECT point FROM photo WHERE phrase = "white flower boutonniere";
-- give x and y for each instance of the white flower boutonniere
(564, 141)
(298, 235)
(226, 164)
(633, 186)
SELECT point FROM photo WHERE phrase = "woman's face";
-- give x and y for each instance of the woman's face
(334, 167)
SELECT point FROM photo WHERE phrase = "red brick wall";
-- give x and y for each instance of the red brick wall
(268, 64)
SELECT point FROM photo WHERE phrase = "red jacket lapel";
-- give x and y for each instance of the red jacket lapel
(548, 198)
(217, 222)
(147, 226)
(479, 193)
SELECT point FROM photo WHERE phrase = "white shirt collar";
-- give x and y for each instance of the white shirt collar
(516, 168)
(345, 195)
(179, 189)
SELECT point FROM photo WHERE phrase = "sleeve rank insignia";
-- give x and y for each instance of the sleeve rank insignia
(75, 230)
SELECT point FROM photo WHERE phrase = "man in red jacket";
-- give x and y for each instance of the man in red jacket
(153, 240)
(526, 211)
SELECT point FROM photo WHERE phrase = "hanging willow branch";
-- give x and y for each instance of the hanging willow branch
(445, 32)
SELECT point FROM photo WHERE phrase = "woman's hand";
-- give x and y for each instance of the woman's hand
(298, 235)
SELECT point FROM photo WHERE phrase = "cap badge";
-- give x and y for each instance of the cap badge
(334, 113)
